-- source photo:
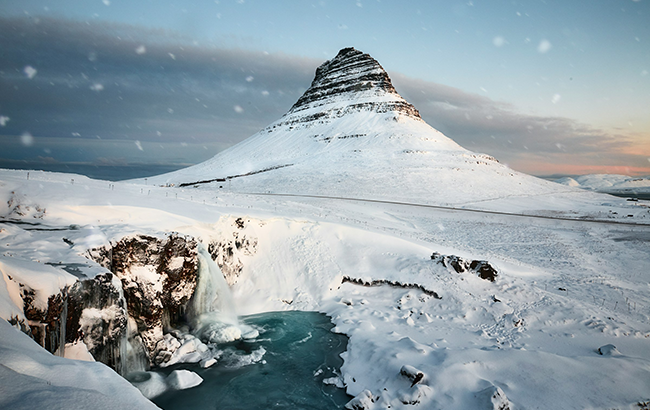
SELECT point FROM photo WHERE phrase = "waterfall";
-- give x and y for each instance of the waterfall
(212, 294)
(135, 357)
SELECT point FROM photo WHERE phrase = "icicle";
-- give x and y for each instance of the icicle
(60, 351)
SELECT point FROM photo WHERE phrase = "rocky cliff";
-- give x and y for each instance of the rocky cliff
(126, 316)
(350, 76)
(158, 278)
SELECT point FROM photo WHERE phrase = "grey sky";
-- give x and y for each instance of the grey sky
(114, 93)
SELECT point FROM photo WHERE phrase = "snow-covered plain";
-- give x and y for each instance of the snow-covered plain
(564, 288)
(352, 187)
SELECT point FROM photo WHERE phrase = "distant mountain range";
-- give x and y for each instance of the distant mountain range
(610, 183)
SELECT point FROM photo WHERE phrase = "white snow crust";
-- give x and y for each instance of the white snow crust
(565, 287)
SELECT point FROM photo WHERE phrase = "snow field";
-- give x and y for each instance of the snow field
(564, 288)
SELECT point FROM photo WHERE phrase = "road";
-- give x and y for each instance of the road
(449, 208)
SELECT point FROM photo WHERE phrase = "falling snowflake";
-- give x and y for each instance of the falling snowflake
(97, 87)
(238, 109)
(141, 50)
(139, 145)
(556, 98)
(250, 78)
(26, 139)
(3, 120)
(498, 41)
(30, 71)
(544, 46)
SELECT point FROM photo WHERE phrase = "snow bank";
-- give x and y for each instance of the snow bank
(25, 277)
(31, 377)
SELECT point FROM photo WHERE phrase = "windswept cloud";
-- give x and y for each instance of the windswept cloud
(120, 93)
(481, 124)
(101, 82)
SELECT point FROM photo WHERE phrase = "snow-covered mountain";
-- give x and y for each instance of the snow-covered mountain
(352, 134)
(612, 183)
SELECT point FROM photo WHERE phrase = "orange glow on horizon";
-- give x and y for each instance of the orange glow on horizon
(539, 168)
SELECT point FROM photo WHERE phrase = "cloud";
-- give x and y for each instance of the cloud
(110, 85)
(481, 124)
(131, 88)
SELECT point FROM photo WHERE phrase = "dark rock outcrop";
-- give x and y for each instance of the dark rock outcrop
(97, 316)
(482, 268)
(395, 284)
(150, 283)
(158, 278)
(349, 83)
(413, 375)
(46, 327)
(351, 72)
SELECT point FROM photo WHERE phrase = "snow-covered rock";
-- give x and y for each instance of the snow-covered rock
(496, 397)
(414, 395)
(414, 375)
(183, 379)
(483, 269)
(608, 350)
(362, 401)
(158, 278)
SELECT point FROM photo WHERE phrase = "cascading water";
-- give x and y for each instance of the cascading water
(213, 315)
(135, 354)
(212, 295)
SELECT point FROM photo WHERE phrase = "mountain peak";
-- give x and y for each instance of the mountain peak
(352, 135)
(353, 78)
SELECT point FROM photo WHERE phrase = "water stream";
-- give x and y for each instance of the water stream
(283, 368)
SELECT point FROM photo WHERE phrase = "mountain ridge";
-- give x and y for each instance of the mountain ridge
(352, 134)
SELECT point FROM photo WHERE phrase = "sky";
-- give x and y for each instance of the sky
(547, 87)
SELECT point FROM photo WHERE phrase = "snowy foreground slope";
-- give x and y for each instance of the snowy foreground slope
(30, 378)
(352, 206)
